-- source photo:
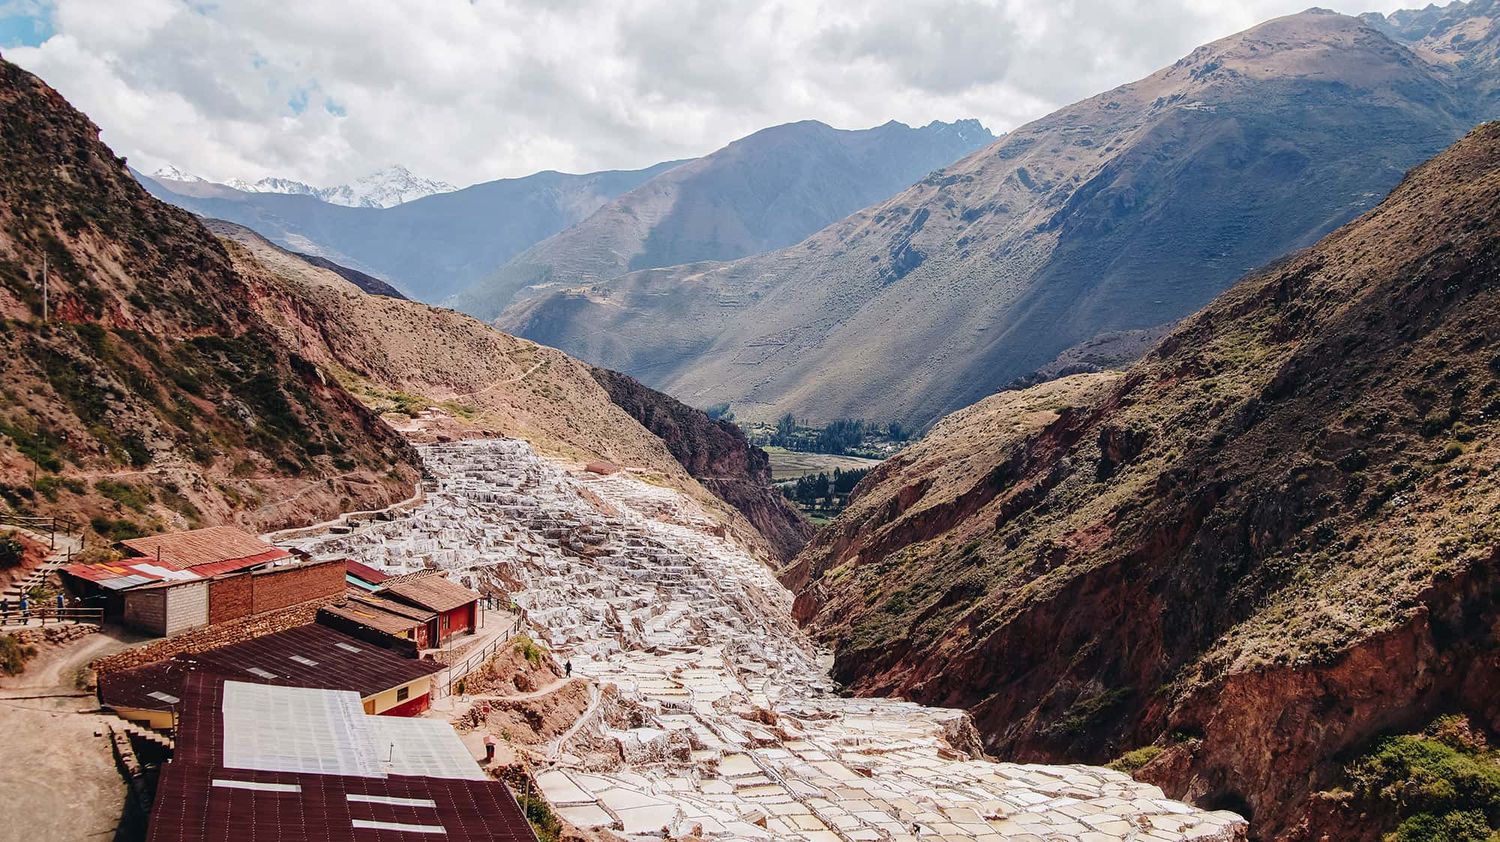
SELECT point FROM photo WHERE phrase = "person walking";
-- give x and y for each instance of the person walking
(568, 668)
(489, 748)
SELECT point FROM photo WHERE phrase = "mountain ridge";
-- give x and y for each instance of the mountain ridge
(1108, 215)
(760, 192)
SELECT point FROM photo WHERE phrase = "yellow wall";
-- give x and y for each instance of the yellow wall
(159, 720)
(387, 700)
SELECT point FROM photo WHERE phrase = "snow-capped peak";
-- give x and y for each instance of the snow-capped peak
(171, 173)
(388, 187)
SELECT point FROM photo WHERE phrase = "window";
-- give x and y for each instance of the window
(402, 693)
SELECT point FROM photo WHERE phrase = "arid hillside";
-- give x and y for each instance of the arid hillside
(1123, 212)
(141, 389)
(1269, 542)
(439, 373)
(759, 193)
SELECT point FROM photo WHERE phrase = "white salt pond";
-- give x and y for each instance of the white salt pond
(722, 723)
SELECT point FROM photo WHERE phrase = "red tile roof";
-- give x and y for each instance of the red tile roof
(133, 572)
(434, 592)
(338, 662)
(200, 800)
(383, 615)
(180, 550)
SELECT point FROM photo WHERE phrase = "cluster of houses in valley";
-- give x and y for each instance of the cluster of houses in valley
(292, 691)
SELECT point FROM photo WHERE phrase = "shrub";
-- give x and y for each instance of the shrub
(13, 655)
(12, 550)
(529, 650)
(133, 497)
(1133, 760)
(1444, 785)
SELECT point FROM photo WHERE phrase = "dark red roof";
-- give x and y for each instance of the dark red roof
(338, 662)
(364, 572)
(191, 808)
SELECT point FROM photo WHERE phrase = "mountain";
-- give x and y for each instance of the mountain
(1120, 213)
(440, 374)
(762, 192)
(429, 248)
(1241, 564)
(366, 283)
(382, 189)
(142, 389)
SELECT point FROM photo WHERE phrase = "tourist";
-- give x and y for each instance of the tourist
(489, 748)
(568, 668)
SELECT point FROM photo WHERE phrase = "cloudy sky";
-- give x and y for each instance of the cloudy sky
(327, 90)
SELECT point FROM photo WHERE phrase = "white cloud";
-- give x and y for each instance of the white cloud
(468, 91)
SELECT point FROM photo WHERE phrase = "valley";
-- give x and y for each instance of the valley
(710, 716)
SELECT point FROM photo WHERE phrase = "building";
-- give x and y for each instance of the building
(320, 769)
(456, 607)
(305, 656)
(384, 622)
(363, 576)
(184, 580)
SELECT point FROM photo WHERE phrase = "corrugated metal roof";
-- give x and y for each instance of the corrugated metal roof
(380, 614)
(181, 550)
(356, 666)
(133, 572)
(200, 799)
(435, 593)
(364, 572)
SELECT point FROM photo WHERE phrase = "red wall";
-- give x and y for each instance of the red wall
(411, 707)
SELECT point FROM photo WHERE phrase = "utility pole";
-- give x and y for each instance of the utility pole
(45, 302)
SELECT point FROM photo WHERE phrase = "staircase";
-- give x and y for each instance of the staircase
(145, 733)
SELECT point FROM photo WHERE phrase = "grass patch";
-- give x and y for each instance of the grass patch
(14, 655)
(530, 651)
(133, 497)
(1133, 760)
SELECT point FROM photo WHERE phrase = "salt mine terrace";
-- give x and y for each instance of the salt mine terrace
(710, 713)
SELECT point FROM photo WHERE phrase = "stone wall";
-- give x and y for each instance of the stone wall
(214, 636)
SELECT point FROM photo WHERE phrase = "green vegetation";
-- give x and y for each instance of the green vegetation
(133, 497)
(1087, 712)
(1133, 760)
(50, 486)
(529, 650)
(115, 529)
(14, 654)
(1443, 784)
(12, 550)
(845, 436)
(823, 495)
(539, 815)
(39, 446)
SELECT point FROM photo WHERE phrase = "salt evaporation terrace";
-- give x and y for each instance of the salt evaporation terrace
(727, 725)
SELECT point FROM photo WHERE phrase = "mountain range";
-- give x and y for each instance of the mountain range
(759, 193)
(428, 248)
(1239, 568)
(382, 189)
(179, 372)
(1123, 212)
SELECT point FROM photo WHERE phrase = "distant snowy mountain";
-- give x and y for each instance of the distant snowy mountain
(389, 187)
(172, 173)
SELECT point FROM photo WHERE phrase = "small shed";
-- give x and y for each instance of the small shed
(456, 607)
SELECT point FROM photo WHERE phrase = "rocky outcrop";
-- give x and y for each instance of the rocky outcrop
(1268, 542)
(718, 455)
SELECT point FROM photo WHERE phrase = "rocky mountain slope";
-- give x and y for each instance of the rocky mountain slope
(428, 248)
(1122, 212)
(1267, 543)
(759, 193)
(718, 455)
(452, 376)
(141, 390)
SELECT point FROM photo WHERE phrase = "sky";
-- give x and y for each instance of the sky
(465, 91)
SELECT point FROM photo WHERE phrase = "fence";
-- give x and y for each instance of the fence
(14, 616)
(455, 672)
(53, 526)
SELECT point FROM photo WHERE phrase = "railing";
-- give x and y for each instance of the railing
(14, 616)
(455, 672)
(50, 525)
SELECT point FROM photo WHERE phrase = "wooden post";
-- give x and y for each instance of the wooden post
(45, 301)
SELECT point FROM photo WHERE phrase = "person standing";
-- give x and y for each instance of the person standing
(489, 748)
